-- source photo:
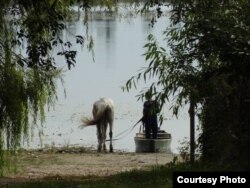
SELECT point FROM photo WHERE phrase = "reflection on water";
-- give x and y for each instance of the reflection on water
(118, 48)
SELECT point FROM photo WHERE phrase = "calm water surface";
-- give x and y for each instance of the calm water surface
(118, 49)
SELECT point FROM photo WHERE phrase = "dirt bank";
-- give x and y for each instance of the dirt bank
(60, 163)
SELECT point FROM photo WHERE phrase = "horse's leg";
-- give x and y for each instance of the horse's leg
(110, 136)
(104, 136)
(110, 122)
(99, 137)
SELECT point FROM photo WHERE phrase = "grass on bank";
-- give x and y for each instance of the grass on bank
(157, 177)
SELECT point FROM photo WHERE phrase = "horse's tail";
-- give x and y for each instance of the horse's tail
(88, 122)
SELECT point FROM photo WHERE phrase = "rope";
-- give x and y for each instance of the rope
(131, 129)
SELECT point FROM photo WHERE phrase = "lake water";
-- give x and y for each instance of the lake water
(118, 49)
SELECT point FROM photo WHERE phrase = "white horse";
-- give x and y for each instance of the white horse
(103, 115)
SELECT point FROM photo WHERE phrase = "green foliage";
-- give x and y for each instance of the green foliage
(27, 82)
(208, 60)
(24, 94)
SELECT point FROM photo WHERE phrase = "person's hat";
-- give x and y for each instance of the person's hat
(148, 95)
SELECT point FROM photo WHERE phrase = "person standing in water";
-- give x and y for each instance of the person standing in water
(149, 119)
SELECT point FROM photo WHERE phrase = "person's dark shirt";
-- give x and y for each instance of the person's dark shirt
(150, 109)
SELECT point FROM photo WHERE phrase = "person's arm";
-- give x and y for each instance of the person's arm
(144, 114)
(157, 107)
